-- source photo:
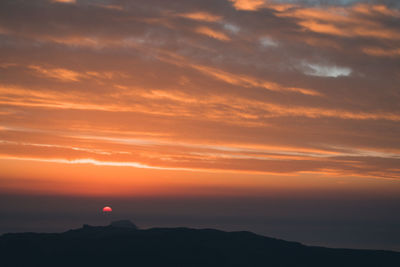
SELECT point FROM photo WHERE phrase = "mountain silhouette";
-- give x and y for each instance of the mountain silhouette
(122, 244)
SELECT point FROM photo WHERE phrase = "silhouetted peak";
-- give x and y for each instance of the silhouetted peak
(123, 224)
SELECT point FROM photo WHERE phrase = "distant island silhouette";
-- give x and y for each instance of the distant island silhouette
(122, 243)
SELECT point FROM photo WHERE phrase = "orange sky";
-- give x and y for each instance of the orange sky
(227, 97)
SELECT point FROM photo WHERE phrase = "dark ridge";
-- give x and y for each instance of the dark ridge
(122, 244)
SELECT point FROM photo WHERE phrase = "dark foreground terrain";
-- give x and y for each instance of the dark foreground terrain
(121, 244)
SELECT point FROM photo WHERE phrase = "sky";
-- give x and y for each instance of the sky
(281, 117)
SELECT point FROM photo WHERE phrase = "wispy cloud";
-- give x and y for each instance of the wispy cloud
(57, 73)
(201, 16)
(325, 70)
(64, 1)
(212, 33)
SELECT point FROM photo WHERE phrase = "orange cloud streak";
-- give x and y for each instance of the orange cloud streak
(212, 33)
(249, 5)
(201, 16)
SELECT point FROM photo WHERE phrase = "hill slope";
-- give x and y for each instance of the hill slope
(161, 247)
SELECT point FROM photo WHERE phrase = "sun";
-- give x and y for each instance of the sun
(107, 209)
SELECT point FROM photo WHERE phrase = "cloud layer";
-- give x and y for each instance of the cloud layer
(243, 87)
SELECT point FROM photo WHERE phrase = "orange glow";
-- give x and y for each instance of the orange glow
(247, 97)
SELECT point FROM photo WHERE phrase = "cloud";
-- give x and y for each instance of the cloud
(249, 5)
(216, 86)
(325, 70)
(380, 52)
(201, 16)
(232, 28)
(249, 81)
(361, 20)
(57, 73)
(268, 42)
(212, 33)
(64, 1)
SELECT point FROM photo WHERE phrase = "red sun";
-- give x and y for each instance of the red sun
(107, 209)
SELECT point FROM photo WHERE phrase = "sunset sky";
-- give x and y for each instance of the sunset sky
(201, 99)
